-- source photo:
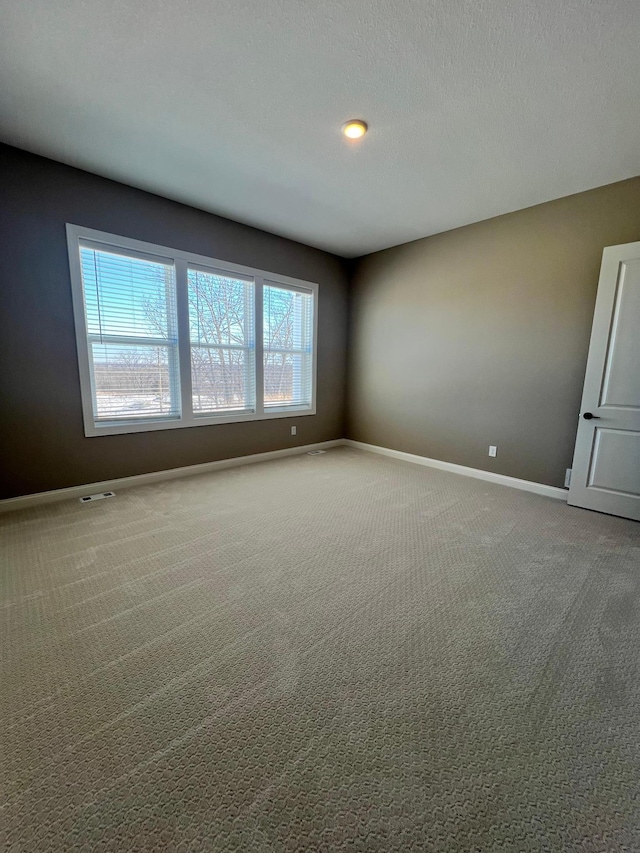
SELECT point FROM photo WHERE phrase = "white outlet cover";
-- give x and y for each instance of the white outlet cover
(493, 450)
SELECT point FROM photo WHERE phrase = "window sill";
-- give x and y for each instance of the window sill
(126, 427)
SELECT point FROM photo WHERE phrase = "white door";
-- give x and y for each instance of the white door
(606, 463)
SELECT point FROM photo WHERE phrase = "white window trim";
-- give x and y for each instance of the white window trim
(181, 260)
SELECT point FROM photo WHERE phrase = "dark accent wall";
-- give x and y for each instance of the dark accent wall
(42, 442)
(480, 335)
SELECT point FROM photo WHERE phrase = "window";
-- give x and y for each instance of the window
(168, 339)
(288, 347)
(131, 322)
(222, 336)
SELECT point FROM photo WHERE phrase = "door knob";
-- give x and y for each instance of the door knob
(589, 417)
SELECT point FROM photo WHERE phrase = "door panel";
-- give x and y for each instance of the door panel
(610, 469)
(621, 385)
(606, 464)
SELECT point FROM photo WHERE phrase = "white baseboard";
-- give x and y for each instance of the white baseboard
(489, 476)
(25, 501)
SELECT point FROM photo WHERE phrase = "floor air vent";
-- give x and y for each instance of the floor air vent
(86, 498)
(315, 452)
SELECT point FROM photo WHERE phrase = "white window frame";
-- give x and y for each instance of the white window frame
(293, 350)
(182, 260)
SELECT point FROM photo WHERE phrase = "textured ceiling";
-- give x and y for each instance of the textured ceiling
(476, 107)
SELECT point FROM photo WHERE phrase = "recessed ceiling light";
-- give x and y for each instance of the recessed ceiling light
(355, 128)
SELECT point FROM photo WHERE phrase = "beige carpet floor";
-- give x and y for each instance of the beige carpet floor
(331, 653)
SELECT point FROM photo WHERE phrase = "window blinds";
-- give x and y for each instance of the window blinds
(288, 347)
(167, 338)
(131, 326)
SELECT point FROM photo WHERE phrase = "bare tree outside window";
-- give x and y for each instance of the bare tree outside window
(131, 379)
(221, 330)
(221, 335)
(134, 362)
(137, 373)
(287, 347)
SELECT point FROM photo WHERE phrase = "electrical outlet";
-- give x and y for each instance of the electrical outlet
(294, 430)
(567, 478)
(493, 450)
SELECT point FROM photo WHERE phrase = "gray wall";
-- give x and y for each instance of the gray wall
(42, 443)
(480, 335)
(473, 337)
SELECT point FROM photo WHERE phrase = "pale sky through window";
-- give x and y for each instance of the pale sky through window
(137, 364)
(118, 292)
